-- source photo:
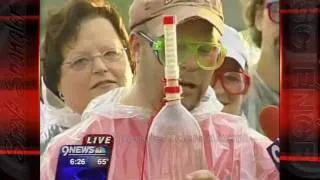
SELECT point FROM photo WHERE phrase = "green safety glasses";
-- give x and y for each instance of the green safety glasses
(209, 56)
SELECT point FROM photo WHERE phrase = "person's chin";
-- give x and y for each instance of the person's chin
(189, 102)
(230, 110)
(104, 89)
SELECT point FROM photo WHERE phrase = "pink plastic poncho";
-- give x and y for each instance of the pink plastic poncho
(233, 151)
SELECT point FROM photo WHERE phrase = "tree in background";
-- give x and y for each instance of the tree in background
(121, 5)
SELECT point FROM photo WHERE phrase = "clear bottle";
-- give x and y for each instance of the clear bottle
(175, 145)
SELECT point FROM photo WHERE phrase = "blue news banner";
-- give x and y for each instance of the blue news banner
(85, 162)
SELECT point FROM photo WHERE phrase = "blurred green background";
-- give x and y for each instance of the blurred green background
(121, 5)
(232, 11)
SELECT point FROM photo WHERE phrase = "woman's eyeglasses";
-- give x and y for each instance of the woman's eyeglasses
(107, 57)
(233, 82)
(273, 11)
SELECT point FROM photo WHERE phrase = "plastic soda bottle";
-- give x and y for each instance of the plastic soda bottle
(175, 145)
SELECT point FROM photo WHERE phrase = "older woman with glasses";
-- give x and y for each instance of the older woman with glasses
(85, 55)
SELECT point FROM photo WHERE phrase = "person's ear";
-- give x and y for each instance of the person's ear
(135, 47)
(258, 17)
(246, 95)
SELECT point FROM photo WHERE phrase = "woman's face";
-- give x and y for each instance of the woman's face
(232, 102)
(94, 63)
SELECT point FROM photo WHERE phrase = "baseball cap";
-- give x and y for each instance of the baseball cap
(235, 46)
(150, 13)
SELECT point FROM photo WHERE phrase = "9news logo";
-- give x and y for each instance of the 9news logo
(82, 150)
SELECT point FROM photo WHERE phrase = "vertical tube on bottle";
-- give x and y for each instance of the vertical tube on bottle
(171, 57)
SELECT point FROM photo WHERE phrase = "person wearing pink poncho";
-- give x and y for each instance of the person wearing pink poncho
(233, 151)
